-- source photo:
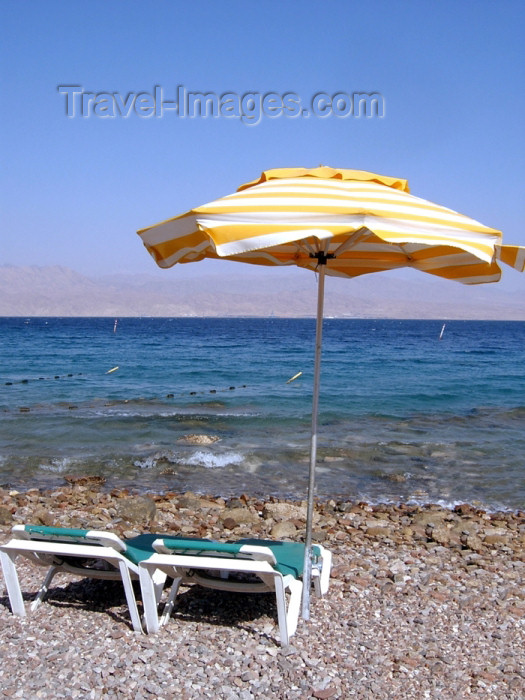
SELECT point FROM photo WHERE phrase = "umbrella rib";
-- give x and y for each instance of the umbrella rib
(350, 242)
(304, 247)
(401, 247)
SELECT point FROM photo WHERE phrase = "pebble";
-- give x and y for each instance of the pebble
(424, 602)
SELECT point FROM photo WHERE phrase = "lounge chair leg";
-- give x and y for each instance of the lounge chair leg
(12, 583)
(321, 573)
(44, 588)
(149, 600)
(170, 603)
(159, 579)
(294, 605)
(280, 596)
(316, 580)
(326, 567)
(130, 597)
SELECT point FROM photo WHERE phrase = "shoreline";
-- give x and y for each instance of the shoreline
(78, 482)
(13, 496)
(423, 602)
(83, 502)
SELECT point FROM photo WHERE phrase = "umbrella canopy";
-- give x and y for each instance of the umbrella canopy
(336, 222)
(363, 221)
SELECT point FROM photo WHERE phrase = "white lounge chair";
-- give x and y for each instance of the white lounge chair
(85, 553)
(249, 565)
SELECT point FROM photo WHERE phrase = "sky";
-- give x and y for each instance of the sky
(448, 77)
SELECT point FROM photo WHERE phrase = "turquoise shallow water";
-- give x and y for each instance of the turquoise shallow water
(404, 416)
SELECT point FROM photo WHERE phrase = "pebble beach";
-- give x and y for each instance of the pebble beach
(424, 602)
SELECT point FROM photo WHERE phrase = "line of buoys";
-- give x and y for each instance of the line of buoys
(56, 376)
(71, 407)
(75, 407)
(39, 379)
(210, 391)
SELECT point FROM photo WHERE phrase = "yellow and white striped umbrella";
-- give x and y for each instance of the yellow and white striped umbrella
(361, 221)
(337, 222)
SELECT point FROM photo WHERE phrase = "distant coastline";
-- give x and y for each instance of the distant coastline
(56, 291)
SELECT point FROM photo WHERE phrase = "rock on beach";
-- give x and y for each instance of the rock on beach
(424, 602)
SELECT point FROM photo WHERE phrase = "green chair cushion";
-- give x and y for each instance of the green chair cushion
(57, 533)
(197, 547)
(289, 555)
(140, 547)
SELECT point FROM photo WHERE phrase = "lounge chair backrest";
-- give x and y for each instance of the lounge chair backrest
(69, 535)
(209, 548)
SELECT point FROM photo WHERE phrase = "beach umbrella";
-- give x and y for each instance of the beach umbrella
(335, 222)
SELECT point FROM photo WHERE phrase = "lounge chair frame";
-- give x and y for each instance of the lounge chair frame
(212, 564)
(70, 550)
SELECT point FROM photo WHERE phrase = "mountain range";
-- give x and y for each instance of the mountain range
(60, 291)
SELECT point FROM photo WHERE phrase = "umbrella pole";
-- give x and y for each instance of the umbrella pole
(307, 569)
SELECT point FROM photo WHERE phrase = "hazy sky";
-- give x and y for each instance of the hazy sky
(450, 76)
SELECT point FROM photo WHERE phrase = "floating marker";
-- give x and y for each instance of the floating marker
(442, 331)
(295, 376)
(113, 369)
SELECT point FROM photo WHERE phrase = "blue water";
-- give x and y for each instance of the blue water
(404, 416)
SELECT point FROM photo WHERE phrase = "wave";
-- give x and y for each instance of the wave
(198, 458)
(210, 460)
(58, 465)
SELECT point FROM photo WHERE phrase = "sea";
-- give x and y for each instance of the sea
(410, 411)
